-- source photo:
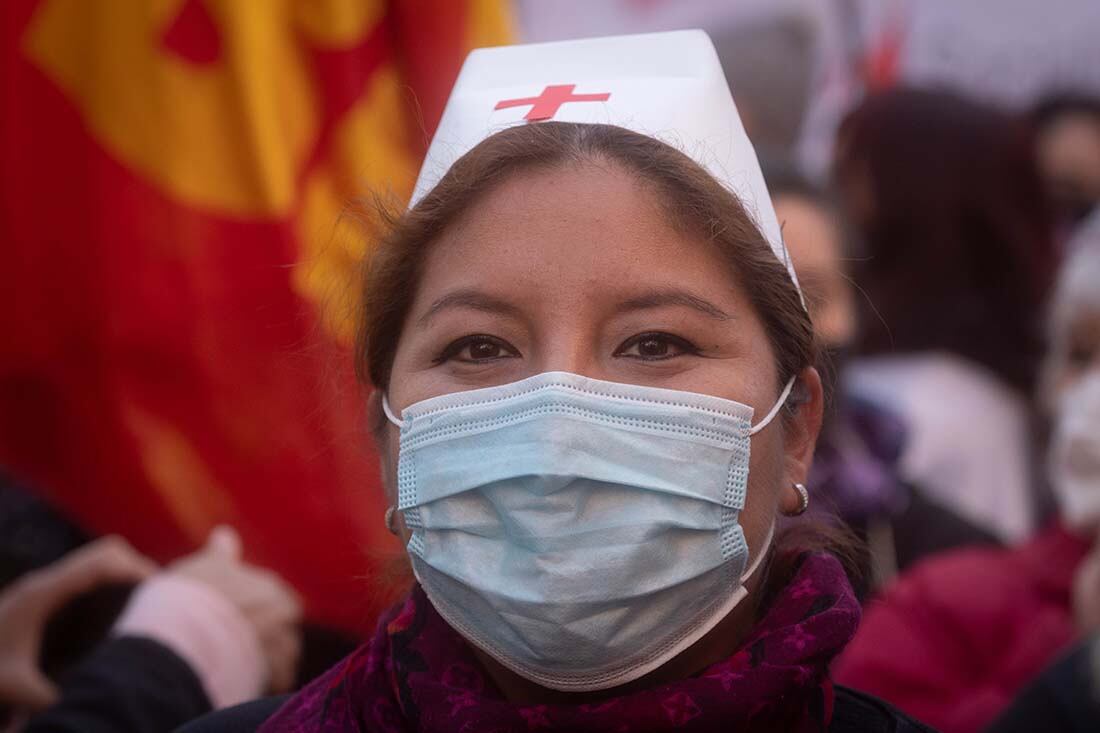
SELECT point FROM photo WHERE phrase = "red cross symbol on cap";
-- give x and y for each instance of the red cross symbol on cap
(546, 105)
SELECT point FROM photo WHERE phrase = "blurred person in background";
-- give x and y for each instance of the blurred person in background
(855, 474)
(1068, 134)
(958, 636)
(95, 638)
(207, 632)
(945, 196)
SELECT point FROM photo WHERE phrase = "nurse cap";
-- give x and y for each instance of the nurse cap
(669, 86)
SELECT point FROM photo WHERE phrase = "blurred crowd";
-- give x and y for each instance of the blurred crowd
(949, 252)
(953, 269)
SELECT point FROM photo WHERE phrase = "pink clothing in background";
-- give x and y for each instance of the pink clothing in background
(205, 629)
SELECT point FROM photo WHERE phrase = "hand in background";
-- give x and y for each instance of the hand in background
(264, 600)
(27, 604)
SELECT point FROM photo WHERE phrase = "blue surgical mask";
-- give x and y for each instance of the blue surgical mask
(580, 532)
(1074, 458)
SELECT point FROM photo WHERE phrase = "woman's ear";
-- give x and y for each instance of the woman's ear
(379, 430)
(800, 429)
(376, 418)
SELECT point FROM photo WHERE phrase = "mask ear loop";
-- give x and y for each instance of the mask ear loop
(774, 411)
(389, 413)
(752, 568)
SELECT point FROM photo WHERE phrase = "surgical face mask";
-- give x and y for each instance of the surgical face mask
(1074, 461)
(580, 532)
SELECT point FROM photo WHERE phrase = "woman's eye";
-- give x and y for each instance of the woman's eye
(655, 347)
(477, 349)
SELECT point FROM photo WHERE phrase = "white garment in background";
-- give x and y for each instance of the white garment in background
(968, 445)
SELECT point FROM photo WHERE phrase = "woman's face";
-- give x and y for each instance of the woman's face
(1068, 151)
(1078, 352)
(813, 239)
(576, 269)
(1072, 374)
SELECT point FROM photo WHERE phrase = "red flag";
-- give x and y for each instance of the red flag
(173, 177)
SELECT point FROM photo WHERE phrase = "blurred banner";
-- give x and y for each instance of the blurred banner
(173, 174)
(1009, 52)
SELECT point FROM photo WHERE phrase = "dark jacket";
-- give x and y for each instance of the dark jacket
(128, 685)
(853, 712)
(1065, 697)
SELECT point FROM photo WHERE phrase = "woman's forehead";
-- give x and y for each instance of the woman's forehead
(578, 227)
(567, 193)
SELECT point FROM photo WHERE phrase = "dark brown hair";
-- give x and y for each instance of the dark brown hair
(958, 247)
(696, 204)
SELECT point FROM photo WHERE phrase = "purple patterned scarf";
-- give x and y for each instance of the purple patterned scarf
(418, 674)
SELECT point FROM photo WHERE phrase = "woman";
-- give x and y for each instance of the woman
(594, 391)
(957, 637)
(946, 196)
(855, 474)
(1067, 130)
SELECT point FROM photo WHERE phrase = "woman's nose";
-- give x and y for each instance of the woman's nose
(571, 351)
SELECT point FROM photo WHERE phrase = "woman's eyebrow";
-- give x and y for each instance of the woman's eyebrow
(660, 298)
(469, 298)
